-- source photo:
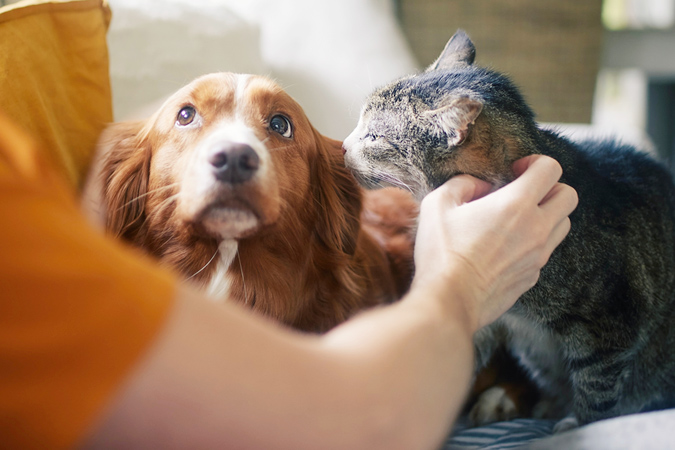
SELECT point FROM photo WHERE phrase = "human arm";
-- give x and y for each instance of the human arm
(394, 377)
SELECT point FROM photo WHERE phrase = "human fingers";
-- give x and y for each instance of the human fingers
(557, 235)
(536, 176)
(521, 165)
(461, 189)
(562, 199)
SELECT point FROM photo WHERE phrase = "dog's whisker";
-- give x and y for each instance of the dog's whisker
(285, 87)
(243, 280)
(166, 202)
(205, 265)
(321, 205)
(295, 212)
(135, 199)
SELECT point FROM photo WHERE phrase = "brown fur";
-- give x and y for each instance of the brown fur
(482, 154)
(308, 262)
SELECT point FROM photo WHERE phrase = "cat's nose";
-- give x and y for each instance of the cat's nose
(349, 142)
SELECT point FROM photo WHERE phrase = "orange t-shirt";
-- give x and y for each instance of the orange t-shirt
(77, 309)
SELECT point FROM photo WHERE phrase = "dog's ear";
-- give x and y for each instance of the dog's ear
(115, 191)
(459, 51)
(339, 197)
(455, 118)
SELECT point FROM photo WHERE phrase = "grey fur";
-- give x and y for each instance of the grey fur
(458, 51)
(600, 323)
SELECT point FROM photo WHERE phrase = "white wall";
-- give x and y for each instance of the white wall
(327, 55)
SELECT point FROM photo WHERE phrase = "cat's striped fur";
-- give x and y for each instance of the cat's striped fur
(600, 323)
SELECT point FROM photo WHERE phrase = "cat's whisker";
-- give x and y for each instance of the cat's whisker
(594, 365)
(394, 180)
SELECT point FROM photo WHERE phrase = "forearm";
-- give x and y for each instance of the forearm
(392, 378)
(219, 377)
(412, 364)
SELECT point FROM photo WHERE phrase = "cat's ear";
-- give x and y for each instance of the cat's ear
(459, 51)
(455, 118)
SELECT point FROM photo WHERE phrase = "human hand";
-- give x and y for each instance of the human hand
(487, 249)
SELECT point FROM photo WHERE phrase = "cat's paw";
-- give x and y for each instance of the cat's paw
(493, 405)
(566, 424)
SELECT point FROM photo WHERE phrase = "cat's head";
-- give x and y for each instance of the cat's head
(453, 118)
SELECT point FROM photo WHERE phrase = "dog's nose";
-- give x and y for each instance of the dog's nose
(234, 162)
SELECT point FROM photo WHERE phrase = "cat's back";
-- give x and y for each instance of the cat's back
(625, 164)
(622, 236)
(610, 174)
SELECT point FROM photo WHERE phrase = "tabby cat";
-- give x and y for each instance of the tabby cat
(597, 332)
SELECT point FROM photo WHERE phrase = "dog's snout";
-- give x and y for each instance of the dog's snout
(234, 162)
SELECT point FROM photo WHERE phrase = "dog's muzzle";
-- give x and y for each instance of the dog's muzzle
(234, 162)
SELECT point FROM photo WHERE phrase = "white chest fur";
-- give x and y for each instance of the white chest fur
(219, 285)
(539, 351)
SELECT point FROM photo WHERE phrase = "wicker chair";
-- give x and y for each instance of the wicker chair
(551, 49)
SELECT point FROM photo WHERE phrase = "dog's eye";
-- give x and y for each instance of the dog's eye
(186, 115)
(280, 124)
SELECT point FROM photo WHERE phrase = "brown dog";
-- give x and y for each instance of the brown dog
(229, 184)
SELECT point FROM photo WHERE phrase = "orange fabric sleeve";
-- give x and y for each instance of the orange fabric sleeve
(77, 309)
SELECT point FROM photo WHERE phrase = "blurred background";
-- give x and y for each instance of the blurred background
(598, 66)
(609, 63)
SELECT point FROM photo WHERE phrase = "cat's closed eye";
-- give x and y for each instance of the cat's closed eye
(374, 137)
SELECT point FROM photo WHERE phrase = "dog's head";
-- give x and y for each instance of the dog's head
(227, 157)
